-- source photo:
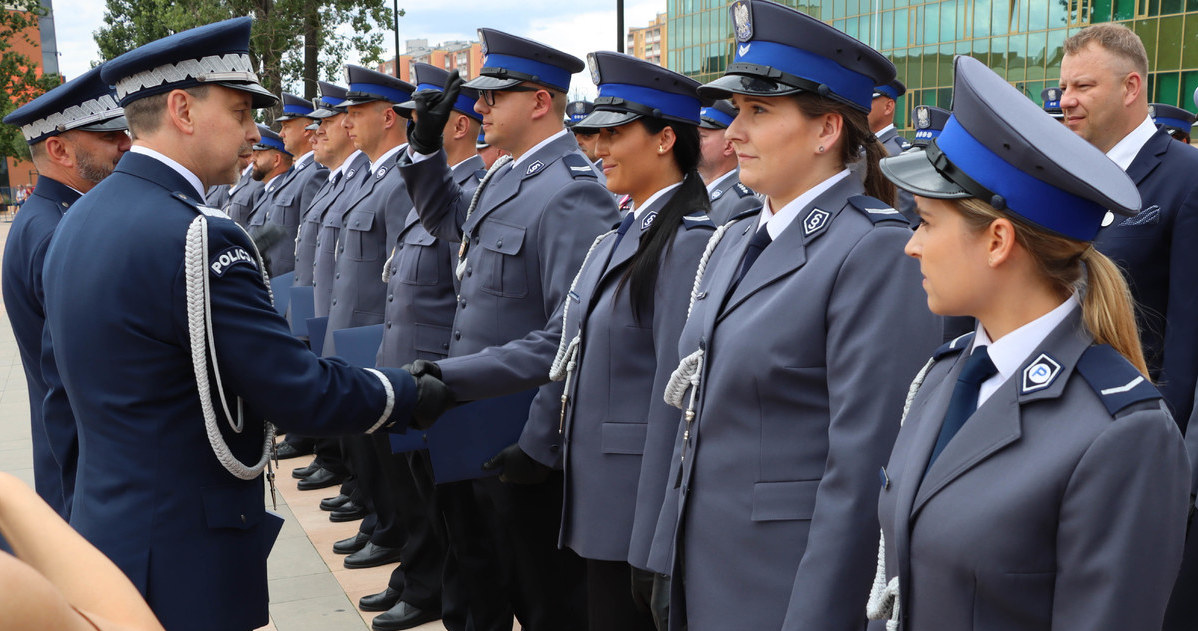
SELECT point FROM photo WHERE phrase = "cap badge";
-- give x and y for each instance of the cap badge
(1054, 94)
(924, 118)
(815, 221)
(1152, 110)
(1040, 374)
(743, 21)
(594, 64)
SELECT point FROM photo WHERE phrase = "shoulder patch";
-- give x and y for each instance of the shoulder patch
(877, 210)
(742, 190)
(1114, 379)
(579, 166)
(953, 347)
(698, 220)
(204, 210)
(751, 212)
(228, 257)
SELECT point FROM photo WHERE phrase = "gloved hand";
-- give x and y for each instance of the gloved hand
(432, 113)
(517, 467)
(433, 398)
(423, 367)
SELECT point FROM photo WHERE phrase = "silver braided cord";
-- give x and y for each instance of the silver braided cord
(203, 346)
(230, 67)
(686, 375)
(563, 362)
(883, 601)
(387, 265)
(478, 193)
(85, 113)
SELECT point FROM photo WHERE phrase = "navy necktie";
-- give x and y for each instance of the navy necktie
(758, 243)
(978, 368)
(623, 229)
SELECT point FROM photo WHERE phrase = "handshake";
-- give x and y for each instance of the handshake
(433, 397)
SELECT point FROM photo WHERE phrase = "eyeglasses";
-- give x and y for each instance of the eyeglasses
(488, 96)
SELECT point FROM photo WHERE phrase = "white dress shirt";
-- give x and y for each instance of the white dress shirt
(1010, 351)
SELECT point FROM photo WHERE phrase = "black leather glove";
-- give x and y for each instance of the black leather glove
(432, 113)
(423, 367)
(517, 467)
(433, 398)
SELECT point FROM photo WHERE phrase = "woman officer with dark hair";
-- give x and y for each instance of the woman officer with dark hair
(806, 326)
(1038, 481)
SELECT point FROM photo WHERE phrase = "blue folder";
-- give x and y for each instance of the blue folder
(280, 287)
(316, 330)
(360, 345)
(469, 435)
(303, 306)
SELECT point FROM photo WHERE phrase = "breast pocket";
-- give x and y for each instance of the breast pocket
(418, 260)
(286, 211)
(500, 260)
(361, 244)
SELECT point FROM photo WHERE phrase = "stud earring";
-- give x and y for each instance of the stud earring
(821, 149)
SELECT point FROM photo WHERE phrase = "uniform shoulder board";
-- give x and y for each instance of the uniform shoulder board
(902, 142)
(579, 166)
(742, 190)
(1115, 379)
(953, 347)
(877, 210)
(205, 210)
(698, 220)
(750, 212)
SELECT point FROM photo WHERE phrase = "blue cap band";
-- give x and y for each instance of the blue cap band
(670, 104)
(267, 141)
(464, 104)
(888, 90)
(331, 101)
(1039, 202)
(547, 74)
(1175, 123)
(855, 87)
(297, 109)
(388, 93)
(716, 115)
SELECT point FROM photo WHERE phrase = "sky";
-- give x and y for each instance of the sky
(573, 26)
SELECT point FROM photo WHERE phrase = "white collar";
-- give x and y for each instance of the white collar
(1126, 150)
(191, 178)
(390, 153)
(637, 212)
(537, 147)
(1010, 351)
(881, 132)
(719, 181)
(775, 223)
(272, 181)
(303, 160)
(346, 163)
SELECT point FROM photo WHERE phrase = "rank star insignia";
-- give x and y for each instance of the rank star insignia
(1040, 374)
(815, 221)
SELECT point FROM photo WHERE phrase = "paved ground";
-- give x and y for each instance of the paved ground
(310, 589)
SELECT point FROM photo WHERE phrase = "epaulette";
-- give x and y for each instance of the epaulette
(742, 190)
(205, 210)
(903, 144)
(480, 174)
(579, 166)
(749, 212)
(698, 220)
(953, 347)
(1115, 379)
(876, 210)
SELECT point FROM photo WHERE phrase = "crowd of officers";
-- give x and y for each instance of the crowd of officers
(704, 394)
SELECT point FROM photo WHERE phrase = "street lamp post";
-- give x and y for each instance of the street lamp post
(398, 14)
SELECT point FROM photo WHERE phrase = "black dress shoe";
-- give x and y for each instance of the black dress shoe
(287, 450)
(403, 616)
(303, 472)
(381, 601)
(349, 511)
(352, 545)
(372, 555)
(322, 479)
(333, 503)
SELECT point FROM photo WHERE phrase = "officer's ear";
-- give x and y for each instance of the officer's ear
(461, 126)
(60, 151)
(180, 110)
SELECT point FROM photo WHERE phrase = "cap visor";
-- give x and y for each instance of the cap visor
(707, 124)
(360, 100)
(113, 124)
(604, 118)
(324, 113)
(312, 127)
(405, 109)
(490, 83)
(261, 96)
(289, 117)
(913, 172)
(730, 84)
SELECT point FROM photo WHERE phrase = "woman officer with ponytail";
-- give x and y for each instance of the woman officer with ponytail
(806, 326)
(1038, 481)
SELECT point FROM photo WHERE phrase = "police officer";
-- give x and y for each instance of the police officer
(298, 134)
(76, 134)
(1051, 97)
(180, 356)
(272, 165)
(1038, 481)
(241, 196)
(523, 240)
(576, 111)
(793, 323)
(718, 166)
(881, 122)
(929, 121)
(1173, 120)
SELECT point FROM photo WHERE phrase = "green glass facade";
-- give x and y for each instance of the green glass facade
(1022, 40)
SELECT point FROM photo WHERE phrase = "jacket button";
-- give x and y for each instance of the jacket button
(463, 303)
(391, 297)
(337, 275)
(388, 324)
(469, 271)
(554, 448)
(334, 301)
(457, 335)
(243, 519)
(499, 243)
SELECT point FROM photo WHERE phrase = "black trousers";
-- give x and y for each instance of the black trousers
(1182, 612)
(422, 559)
(328, 455)
(474, 589)
(547, 584)
(363, 462)
(651, 594)
(610, 602)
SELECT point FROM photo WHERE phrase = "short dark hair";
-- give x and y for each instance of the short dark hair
(145, 115)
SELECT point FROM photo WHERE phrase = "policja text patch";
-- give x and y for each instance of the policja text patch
(228, 258)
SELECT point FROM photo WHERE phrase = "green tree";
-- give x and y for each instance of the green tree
(294, 42)
(22, 81)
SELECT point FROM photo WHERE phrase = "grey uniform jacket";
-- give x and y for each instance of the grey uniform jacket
(731, 199)
(526, 238)
(280, 205)
(1060, 504)
(421, 299)
(896, 144)
(242, 197)
(805, 371)
(305, 239)
(292, 199)
(217, 195)
(359, 293)
(327, 235)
